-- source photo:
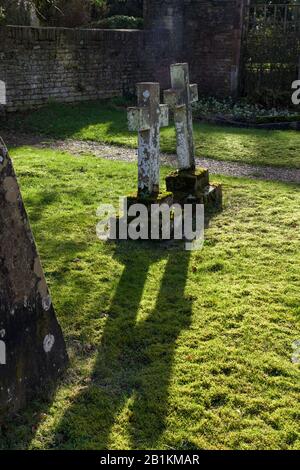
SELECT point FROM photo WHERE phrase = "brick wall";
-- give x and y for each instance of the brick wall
(204, 33)
(42, 64)
(212, 42)
(164, 16)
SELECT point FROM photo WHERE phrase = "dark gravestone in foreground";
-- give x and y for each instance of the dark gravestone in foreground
(32, 348)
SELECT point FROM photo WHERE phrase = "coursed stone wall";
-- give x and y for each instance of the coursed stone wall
(38, 65)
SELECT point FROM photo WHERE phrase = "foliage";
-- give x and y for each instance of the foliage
(15, 12)
(74, 13)
(126, 7)
(211, 108)
(169, 349)
(270, 66)
(270, 55)
(273, 2)
(70, 13)
(119, 22)
(2, 15)
(107, 122)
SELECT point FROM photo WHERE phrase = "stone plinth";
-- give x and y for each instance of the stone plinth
(150, 204)
(194, 186)
(190, 182)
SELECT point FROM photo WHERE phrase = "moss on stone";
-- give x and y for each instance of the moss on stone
(148, 200)
(198, 172)
(190, 182)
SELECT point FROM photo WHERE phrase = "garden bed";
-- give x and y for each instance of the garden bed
(245, 115)
(281, 125)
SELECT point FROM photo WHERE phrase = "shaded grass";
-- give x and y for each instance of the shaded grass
(106, 122)
(168, 350)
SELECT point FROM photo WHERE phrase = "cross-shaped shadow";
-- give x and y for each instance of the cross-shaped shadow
(135, 359)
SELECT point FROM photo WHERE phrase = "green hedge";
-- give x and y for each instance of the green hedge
(270, 119)
(119, 22)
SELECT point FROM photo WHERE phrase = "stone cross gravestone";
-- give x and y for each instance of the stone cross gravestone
(147, 119)
(180, 98)
(33, 351)
(188, 183)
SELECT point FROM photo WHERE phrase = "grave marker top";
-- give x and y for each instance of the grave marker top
(147, 119)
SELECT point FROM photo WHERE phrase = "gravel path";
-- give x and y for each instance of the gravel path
(129, 155)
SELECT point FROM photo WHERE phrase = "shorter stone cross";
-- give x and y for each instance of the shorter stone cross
(180, 99)
(147, 119)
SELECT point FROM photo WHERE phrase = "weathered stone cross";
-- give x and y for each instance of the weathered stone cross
(180, 99)
(147, 119)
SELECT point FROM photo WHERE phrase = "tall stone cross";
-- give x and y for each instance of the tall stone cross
(147, 119)
(180, 99)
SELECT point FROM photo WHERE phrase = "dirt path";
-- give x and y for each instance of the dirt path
(129, 155)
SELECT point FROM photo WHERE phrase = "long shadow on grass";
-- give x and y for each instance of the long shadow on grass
(135, 359)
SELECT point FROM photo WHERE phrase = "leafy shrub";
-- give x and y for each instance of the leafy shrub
(2, 15)
(15, 12)
(119, 22)
(212, 108)
(126, 7)
(279, 118)
(69, 13)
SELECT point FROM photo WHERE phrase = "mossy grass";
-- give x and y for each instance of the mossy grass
(169, 349)
(106, 121)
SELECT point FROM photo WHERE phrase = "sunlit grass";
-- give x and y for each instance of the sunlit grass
(106, 122)
(169, 350)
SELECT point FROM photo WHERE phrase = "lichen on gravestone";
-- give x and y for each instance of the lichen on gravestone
(32, 348)
(147, 119)
(180, 98)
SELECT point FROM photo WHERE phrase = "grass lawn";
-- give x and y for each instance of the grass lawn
(169, 349)
(107, 122)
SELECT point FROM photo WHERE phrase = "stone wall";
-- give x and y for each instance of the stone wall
(43, 64)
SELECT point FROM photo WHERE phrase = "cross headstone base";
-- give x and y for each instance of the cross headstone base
(148, 202)
(193, 185)
(165, 197)
(189, 182)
